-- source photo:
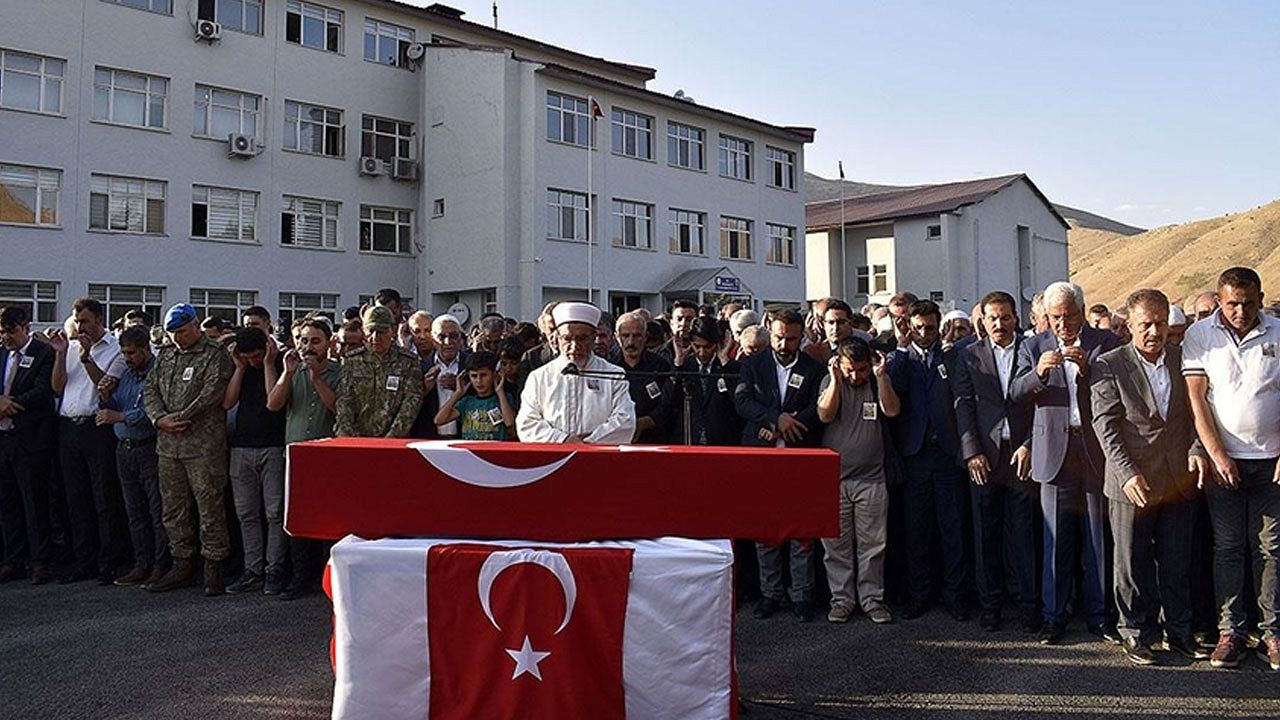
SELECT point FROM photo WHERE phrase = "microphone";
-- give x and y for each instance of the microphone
(570, 369)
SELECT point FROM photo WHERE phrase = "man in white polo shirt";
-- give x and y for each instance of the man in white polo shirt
(86, 450)
(1232, 364)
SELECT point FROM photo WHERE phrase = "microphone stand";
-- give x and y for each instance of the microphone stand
(683, 376)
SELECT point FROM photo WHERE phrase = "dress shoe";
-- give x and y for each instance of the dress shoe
(958, 612)
(181, 574)
(989, 620)
(214, 585)
(1050, 634)
(41, 575)
(1107, 633)
(1137, 652)
(1188, 648)
(765, 608)
(11, 572)
(106, 577)
(1032, 621)
(914, 610)
(133, 577)
(79, 574)
(803, 611)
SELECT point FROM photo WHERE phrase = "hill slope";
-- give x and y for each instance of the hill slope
(1182, 260)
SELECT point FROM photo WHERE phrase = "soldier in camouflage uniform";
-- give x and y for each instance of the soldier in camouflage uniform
(183, 398)
(381, 386)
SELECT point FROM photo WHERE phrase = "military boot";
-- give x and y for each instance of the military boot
(213, 582)
(180, 575)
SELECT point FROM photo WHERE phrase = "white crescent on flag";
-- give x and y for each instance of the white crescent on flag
(465, 466)
(552, 561)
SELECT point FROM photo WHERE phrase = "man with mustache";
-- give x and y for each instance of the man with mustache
(651, 392)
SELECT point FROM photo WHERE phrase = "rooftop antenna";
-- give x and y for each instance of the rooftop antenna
(495, 15)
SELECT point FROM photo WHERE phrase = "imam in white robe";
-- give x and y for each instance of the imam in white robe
(555, 407)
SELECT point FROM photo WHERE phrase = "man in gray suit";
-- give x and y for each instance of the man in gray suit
(1054, 372)
(1142, 417)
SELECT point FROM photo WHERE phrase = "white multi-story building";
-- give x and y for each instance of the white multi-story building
(300, 155)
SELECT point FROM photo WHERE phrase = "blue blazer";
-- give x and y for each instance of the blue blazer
(927, 401)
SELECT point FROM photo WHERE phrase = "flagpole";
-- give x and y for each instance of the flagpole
(591, 226)
(844, 249)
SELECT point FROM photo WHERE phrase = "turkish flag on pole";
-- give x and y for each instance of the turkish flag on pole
(526, 632)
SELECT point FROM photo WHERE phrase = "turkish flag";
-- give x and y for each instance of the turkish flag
(526, 632)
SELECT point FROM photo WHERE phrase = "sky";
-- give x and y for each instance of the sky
(1150, 112)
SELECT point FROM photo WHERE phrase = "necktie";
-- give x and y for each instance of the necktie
(11, 370)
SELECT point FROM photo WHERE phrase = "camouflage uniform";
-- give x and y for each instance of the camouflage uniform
(378, 396)
(190, 384)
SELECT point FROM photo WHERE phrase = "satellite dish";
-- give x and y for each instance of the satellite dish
(1028, 293)
(460, 311)
(416, 51)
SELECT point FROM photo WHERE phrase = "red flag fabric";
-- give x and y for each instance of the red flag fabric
(526, 632)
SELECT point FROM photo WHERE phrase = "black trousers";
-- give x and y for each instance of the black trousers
(24, 502)
(1004, 540)
(88, 456)
(1152, 567)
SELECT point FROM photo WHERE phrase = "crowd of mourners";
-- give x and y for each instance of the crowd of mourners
(1113, 465)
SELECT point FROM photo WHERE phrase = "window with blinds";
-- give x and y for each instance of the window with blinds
(117, 300)
(224, 214)
(124, 204)
(226, 304)
(306, 222)
(29, 195)
(295, 305)
(39, 298)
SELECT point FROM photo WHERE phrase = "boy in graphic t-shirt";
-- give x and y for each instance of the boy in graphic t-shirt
(479, 402)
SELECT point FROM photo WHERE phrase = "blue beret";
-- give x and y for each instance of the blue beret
(178, 315)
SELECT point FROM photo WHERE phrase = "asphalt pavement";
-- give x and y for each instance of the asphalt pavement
(84, 651)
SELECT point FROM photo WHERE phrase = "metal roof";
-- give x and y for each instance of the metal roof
(696, 279)
(913, 202)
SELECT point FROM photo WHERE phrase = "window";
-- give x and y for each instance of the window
(567, 215)
(240, 15)
(29, 195)
(688, 232)
(159, 6)
(685, 146)
(305, 222)
(386, 230)
(782, 167)
(632, 134)
(406, 302)
(933, 232)
(437, 207)
(129, 98)
(120, 299)
(125, 204)
(297, 305)
(385, 139)
(224, 214)
(38, 298)
(880, 278)
(313, 26)
(30, 82)
(386, 43)
(782, 245)
(313, 129)
(568, 119)
(935, 296)
(489, 301)
(735, 157)
(219, 113)
(226, 304)
(735, 238)
(864, 280)
(632, 224)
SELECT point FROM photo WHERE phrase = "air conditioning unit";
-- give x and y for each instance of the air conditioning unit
(241, 145)
(405, 169)
(208, 30)
(372, 166)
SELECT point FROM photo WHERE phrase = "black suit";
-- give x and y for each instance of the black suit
(713, 419)
(652, 391)
(1004, 509)
(424, 425)
(26, 455)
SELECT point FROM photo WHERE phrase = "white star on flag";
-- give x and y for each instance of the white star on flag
(527, 660)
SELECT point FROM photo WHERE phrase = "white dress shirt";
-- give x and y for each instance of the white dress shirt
(11, 372)
(450, 428)
(554, 406)
(1158, 377)
(784, 378)
(1073, 375)
(1005, 357)
(80, 395)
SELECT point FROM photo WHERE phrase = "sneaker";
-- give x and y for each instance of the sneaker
(839, 613)
(1269, 651)
(273, 585)
(247, 582)
(880, 615)
(133, 577)
(1227, 653)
